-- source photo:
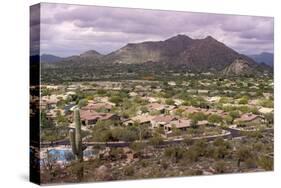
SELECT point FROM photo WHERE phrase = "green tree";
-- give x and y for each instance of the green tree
(234, 114)
(61, 120)
(102, 132)
(45, 92)
(45, 122)
(198, 116)
(213, 118)
(82, 103)
(224, 100)
(116, 99)
(228, 119)
(243, 100)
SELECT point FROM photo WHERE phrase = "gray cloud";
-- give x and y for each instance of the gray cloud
(71, 29)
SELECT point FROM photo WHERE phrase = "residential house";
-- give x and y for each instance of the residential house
(214, 99)
(73, 87)
(264, 110)
(52, 87)
(214, 111)
(133, 94)
(161, 108)
(203, 91)
(151, 99)
(178, 102)
(249, 119)
(90, 117)
(181, 124)
(172, 83)
(141, 119)
(161, 120)
(49, 101)
(98, 106)
(203, 123)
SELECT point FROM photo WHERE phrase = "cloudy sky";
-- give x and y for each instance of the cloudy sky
(72, 29)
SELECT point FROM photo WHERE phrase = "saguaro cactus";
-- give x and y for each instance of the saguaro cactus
(76, 138)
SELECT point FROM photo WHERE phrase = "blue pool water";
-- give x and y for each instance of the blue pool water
(66, 155)
(61, 155)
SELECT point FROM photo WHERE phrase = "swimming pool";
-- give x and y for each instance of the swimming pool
(66, 154)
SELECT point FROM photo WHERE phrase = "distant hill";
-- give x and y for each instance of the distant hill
(264, 57)
(85, 59)
(179, 52)
(48, 58)
(91, 54)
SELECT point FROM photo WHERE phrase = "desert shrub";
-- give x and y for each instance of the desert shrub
(169, 102)
(137, 146)
(129, 171)
(192, 155)
(200, 146)
(174, 153)
(195, 172)
(188, 141)
(77, 168)
(164, 165)
(265, 162)
(144, 163)
(243, 154)
(251, 163)
(220, 152)
(220, 167)
(156, 140)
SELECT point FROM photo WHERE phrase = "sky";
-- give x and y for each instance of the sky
(73, 29)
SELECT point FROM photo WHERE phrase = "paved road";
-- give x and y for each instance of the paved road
(124, 144)
(233, 133)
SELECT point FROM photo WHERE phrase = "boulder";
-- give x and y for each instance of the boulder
(103, 173)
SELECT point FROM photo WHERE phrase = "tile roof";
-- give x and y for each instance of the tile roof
(90, 115)
(164, 118)
(181, 123)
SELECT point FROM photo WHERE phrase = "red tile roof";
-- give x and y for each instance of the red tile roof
(164, 118)
(96, 106)
(247, 117)
(89, 115)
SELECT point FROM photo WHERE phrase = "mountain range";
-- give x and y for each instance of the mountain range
(198, 55)
(264, 57)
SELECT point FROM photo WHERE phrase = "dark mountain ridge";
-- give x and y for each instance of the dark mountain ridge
(48, 58)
